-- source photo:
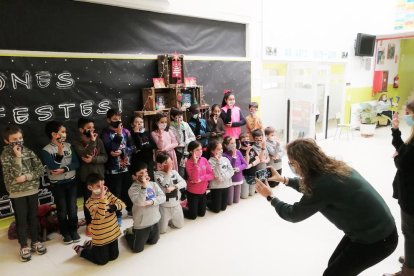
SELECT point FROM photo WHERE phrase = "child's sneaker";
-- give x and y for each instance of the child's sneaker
(75, 236)
(78, 249)
(87, 244)
(67, 239)
(38, 248)
(25, 254)
(88, 232)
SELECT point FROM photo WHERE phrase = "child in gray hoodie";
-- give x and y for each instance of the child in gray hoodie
(223, 171)
(170, 182)
(275, 153)
(146, 197)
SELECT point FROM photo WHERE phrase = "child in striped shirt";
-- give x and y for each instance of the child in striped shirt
(102, 206)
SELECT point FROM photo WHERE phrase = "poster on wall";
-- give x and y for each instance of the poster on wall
(391, 50)
(381, 56)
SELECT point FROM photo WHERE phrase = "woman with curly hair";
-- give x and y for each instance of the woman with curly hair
(345, 198)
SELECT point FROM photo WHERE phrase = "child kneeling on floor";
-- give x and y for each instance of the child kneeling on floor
(146, 197)
(223, 171)
(170, 182)
(105, 231)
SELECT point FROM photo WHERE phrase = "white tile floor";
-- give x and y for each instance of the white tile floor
(248, 239)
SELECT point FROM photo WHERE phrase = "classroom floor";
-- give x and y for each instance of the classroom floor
(248, 239)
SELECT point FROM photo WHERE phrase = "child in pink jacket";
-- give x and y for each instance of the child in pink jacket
(199, 173)
(164, 138)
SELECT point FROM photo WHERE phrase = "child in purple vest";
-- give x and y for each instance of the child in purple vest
(239, 164)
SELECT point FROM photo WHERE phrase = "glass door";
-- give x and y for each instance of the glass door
(301, 95)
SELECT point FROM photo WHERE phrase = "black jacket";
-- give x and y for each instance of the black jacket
(403, 185)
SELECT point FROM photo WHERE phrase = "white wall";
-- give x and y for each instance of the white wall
(329, 27)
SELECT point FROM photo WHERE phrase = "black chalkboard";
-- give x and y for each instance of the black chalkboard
(73, 26)
(36, 89)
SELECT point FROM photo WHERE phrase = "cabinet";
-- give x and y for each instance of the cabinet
(175, 95)
(380, 81)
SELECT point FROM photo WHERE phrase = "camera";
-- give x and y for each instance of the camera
(264, 174)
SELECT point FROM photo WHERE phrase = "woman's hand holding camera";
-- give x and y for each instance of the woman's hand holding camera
(276, 176)
(263, 188)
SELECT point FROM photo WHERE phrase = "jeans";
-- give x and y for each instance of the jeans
(351, 258)
(140, 237)
(119, 184)
(101, 254)
(25, 213)
(233, 195)
(67, 210)
(407, 226)
(196, 206)
(218, 200)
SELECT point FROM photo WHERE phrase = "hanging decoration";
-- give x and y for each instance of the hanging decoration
(176, 67)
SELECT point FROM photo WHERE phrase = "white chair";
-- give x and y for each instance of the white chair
(340, 126)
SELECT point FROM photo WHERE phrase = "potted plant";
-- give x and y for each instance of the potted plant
(368, 118)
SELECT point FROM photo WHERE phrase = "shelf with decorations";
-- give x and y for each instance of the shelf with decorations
(171, 89)
(176, 95)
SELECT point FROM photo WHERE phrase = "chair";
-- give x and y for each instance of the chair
(340, 126)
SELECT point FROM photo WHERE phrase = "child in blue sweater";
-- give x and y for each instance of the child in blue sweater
(62, 162)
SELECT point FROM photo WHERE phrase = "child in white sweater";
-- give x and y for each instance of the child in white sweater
(170, 183)
(223, 171)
